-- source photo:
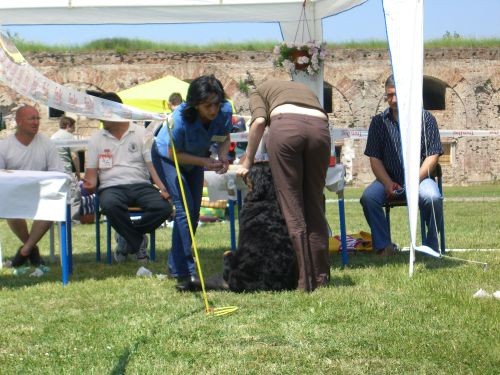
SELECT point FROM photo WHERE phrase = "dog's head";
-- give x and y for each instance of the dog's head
(260, 183)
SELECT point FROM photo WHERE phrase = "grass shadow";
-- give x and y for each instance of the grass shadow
(85, 266)
(344, 280)
(121, 366)
(359, 260)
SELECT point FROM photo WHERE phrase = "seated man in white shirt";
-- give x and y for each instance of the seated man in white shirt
(70, 159)
(27, 149)
(117, 156)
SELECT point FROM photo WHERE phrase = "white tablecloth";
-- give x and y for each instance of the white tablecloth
(33, 195)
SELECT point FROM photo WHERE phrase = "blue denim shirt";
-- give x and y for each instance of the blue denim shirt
(193, 138)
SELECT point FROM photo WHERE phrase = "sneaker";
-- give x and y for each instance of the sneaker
(142, 254)
(119, 256)
(188, 284)
(19, 259)
(121, 244)
(35, 258)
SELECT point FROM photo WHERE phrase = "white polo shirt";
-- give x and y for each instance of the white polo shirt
(129, 156)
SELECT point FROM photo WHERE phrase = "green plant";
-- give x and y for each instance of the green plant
(243, 86)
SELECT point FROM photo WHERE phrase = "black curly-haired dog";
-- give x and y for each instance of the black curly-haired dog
(265, 258)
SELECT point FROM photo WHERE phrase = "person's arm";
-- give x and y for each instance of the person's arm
(254, 137)
(157, 180)
(433, 148)
(222, 151)
(428, 166)
(90, 180)
(185, 158)
(381, 175)
(225, 125)
(76, 164)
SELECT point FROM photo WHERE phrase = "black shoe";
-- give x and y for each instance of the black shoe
(19, 259)
(188, 284)
(35, 258)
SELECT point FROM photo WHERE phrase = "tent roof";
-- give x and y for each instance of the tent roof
(31, 12)
(153, 96)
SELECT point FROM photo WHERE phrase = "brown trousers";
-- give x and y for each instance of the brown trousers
(299, 149)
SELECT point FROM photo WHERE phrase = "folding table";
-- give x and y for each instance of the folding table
(39, 196)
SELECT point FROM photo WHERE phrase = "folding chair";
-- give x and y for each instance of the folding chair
(133, 212)
(438, 174)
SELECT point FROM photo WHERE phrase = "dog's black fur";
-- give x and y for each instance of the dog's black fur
(265, 258)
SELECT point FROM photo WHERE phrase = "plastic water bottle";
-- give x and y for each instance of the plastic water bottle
(333, 159)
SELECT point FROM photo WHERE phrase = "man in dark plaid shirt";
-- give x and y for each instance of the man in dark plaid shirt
(386, 159)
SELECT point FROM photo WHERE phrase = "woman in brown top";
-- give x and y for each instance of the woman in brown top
(298, 146)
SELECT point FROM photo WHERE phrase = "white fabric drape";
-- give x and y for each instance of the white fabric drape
(404, 20)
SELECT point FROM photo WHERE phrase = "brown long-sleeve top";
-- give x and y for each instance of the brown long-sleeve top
(272, 94)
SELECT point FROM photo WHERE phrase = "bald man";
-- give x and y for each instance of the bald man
(26, 149)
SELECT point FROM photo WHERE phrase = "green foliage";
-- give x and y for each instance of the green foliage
(372, 319)
(459, 42)
(243, 87)
(360, 44)
(124, 45)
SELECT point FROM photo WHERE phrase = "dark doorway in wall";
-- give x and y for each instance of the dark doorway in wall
(81, 158)
(55, 113)
(327, 97)
(434, 94)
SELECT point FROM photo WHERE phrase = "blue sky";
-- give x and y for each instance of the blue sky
(468, 18)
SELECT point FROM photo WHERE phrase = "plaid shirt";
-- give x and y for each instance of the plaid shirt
(384, 142)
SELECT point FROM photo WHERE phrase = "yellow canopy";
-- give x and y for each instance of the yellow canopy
(153, 96)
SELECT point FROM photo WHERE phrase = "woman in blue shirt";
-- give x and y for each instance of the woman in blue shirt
(203, 119)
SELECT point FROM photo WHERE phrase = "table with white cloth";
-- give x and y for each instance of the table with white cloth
(39, 195)
(217, 187)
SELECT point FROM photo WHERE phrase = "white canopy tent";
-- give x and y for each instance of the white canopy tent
(72, 12)
(403, 20)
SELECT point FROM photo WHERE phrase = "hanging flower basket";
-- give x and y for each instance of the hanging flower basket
(293, 57)
(298, 59)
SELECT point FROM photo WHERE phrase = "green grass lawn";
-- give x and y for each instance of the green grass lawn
(371, 319)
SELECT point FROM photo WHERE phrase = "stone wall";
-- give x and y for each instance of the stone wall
(470, 79)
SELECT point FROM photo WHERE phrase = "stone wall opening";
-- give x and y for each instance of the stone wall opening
(434, 93)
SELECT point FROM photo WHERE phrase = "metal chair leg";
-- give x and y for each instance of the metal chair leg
(97, 229)
(152, 246)
(232, 226)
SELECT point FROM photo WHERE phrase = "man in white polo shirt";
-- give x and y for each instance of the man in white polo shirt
(118, 157)
(27, 149)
